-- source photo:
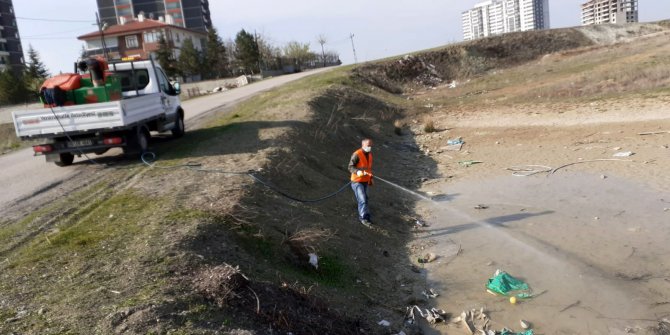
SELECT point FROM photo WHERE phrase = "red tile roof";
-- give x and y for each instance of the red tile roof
(134, 26)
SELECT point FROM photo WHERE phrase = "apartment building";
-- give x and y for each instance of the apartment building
(11, 52)
(191, 14)
(609, 11)
(495, 17)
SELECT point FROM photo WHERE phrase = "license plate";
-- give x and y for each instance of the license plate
(79, 143)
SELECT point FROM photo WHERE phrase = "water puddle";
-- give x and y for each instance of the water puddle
(596, 247)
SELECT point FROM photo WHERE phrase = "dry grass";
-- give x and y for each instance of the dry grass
(308, 240)
(625, 78)
(429, 126)
(221, 283)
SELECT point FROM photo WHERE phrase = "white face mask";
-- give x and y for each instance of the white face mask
(367, 149)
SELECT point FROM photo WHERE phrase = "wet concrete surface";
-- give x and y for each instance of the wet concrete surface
(595, 247)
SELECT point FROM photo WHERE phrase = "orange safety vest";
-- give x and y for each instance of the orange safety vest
(363, 164)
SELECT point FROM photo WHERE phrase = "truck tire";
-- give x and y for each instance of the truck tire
(138, 142)
(64, 159)
(179, 127)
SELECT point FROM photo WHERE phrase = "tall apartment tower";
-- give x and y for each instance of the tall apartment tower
(609, 11)
(192, 14)
(11, 52)
(496, 17)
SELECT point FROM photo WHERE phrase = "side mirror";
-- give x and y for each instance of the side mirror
(177, 88)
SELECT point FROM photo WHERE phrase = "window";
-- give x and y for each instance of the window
(163, 82)
(128, 81)
(152, 37)
(131, 42)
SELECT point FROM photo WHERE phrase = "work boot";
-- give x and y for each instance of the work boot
(366, 223)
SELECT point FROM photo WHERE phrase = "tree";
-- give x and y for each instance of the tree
(189, 59)
(298, 51)
(35, 71)
(165, 57)
(321, 39)
(247, 52)
(13, 88)
(215, 55)
(270, 55)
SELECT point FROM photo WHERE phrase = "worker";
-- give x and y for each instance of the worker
(360, 166)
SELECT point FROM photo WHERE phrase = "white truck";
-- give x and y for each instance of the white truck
(149, 102)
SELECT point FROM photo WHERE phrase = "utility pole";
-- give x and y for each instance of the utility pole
(351, 36)
(101, 29)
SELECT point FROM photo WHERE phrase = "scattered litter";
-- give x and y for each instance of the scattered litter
(427, 258)
(455, 141)
(654, 133)
(430, 293)
(384, 323)
(474, 321)
(506, 331)
(602, 176)
(503, 283)
(616, 148)
(453, 147)
(574, 304)
(481, 207)
(623, 154)
(420, 224)
(469, 163)
(115, 292)
(432, 315)
(524, 324)
(453, 84)
(314, 260)
(529, 170)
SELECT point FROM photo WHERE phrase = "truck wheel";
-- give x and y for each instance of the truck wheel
(138, 142)
(143, 141)
(179, 128)
(64, 159)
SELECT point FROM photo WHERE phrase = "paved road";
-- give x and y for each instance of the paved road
(22, 175)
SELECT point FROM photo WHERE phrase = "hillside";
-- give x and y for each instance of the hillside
(196, 246)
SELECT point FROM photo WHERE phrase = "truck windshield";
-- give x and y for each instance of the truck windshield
(128, 81)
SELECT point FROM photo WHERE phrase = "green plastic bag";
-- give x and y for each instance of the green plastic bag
(509, 332)
(504, 284)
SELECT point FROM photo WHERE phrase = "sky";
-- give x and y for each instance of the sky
(380, 28)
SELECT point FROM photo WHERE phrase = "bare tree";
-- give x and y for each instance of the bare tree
(321, 39)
